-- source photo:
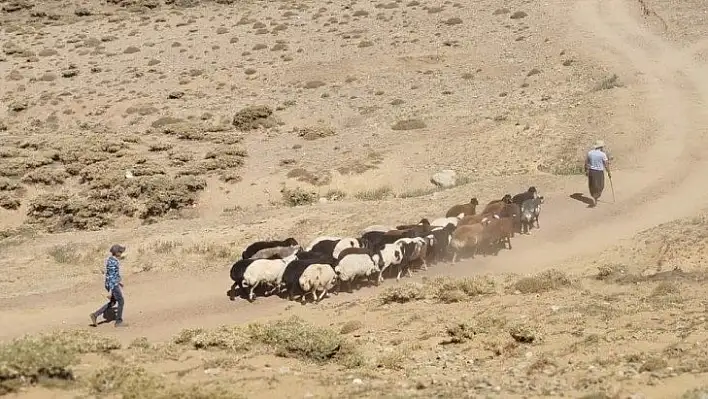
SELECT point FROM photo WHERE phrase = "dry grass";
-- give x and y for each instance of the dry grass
(377, 194)
(543, 282)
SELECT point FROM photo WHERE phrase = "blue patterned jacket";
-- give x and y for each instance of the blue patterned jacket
(112, 273)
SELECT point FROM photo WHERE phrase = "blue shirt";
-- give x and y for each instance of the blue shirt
(112, 273)
(596, 160)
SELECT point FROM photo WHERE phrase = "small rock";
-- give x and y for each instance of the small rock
(357, 381)
(323, 200)
(175, 95)
(445, 178)
(284, 370)
(211, 371)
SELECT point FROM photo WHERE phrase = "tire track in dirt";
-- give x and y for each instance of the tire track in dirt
(672, 171)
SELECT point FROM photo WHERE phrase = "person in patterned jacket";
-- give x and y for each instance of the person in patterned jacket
(114, 285)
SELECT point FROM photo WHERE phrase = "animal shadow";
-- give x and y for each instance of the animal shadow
(582, 198)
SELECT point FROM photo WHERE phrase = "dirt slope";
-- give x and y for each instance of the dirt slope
(664, 182)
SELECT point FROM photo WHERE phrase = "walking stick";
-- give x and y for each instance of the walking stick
(612, 187)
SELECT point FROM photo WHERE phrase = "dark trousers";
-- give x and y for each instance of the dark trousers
(116, 297)
(596, 182)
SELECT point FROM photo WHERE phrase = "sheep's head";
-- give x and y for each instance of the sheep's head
(424, 222)
(532, 189)
(291, 242)
(473, 201)
(541, 200)
(506, 199)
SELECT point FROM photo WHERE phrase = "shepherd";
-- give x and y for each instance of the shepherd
(113, 284)
(596, 162)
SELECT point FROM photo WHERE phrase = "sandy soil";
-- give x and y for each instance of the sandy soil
(133, 122)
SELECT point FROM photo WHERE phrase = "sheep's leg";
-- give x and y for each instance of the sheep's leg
(454, 256)
(251, 295)
(232, 291)
(410, 273)
(425, 264)
(314, 295)
(538, 226)
(508, 240)
(400, 270)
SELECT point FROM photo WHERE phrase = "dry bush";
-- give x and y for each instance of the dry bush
(292, 337)
(409, 124)
(253, 117)
(65, 253)
(32, 359)
(9, 202)
(374, 195)
(403, 293)
(298, 196)
(46, 175)
(316, 178)
(315, 132)
(545, 281)
(449, 290)
(608, 83)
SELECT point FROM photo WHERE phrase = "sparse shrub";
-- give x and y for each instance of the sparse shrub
(409, 124)
(130, 382)
(449, 290)
(374, 195)
(8, 202)
(31, 359)
(351, 326)
(403, 293)
(314, 84)
(298, 196)
(254, 117)
(314, 178)
(453, 21)
(45, 175)
(315, 132)
(65, 253)
(293, 337)
(608, 83)
(545, 281)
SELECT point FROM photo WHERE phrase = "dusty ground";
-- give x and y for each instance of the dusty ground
(186, 130)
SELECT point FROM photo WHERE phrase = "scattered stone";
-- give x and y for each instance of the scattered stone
(175, 95)
(518, 15)
(445, 178)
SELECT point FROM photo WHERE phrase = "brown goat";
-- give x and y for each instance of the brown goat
(468, 236)
(471, 219)
(498, 231)
(467, 209)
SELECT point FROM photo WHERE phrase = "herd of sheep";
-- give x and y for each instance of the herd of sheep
(333, 262)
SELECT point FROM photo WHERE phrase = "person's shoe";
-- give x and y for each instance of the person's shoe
(93, 319)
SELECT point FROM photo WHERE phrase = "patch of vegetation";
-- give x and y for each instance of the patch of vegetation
(608, 83)
(409, 124)
(315, 132)
(9, 202)
(403, 293)
(545, 281)
(298, 196)
(47, 357)
(314, 178)
(449, 290)
(65, 254)
(253, 117)
(377, 194)
(292, 337)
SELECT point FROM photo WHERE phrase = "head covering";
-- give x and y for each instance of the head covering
(598, 144)
(115, 249)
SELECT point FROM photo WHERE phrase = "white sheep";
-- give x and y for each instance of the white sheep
(317, 277)
(353, 266)
(263, 271)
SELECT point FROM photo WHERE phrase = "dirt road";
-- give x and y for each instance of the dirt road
(669, 184)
